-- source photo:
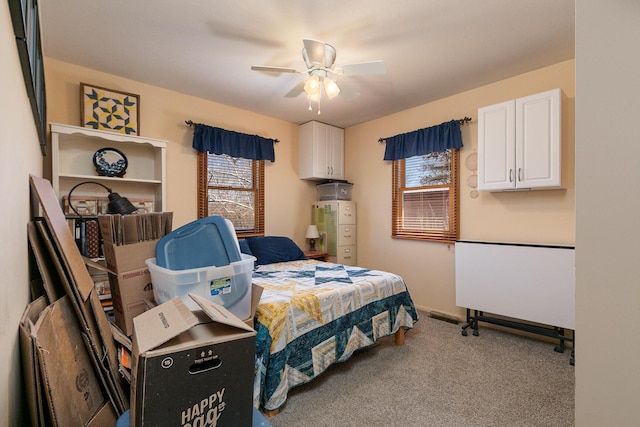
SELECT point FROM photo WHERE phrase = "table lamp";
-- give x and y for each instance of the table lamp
(117, 203)
(312, 235)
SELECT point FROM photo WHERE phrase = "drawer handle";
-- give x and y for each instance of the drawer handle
(346, 235)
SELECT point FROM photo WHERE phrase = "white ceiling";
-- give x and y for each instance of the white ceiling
(205, 48)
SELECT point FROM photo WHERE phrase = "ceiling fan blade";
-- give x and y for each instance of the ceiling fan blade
(296, 91)
(347, 92)
(361, 68)
(274, 69)
(315, 51)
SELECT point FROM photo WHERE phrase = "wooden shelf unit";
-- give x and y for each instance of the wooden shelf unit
(72, 150)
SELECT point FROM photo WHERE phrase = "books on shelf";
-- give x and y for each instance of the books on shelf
(86, 233)
(93, 205)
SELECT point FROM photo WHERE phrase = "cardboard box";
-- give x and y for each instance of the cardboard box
(34, 384)
(72, 391)
(77, 284)
(192, 368)
(129, 279)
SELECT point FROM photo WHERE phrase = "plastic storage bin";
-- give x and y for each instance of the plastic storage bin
(334, 191)
(229, 285)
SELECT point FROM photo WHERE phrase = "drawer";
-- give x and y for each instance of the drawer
(346, 255)
(346, 213)
(346, 235)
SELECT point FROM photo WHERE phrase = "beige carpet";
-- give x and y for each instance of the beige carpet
(440, 378)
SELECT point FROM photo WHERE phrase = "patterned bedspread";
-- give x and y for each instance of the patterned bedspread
(313, 314)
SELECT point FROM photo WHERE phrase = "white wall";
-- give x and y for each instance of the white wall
(19, 157)
(518, 217)
(607, 206)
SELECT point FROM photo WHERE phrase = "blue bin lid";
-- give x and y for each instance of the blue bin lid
(202, 243)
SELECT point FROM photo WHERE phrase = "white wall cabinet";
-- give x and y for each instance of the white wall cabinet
(72, 151)
(321, 151)
(519, 143)
(336, 222)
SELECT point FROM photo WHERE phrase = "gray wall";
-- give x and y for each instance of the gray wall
(607, 205)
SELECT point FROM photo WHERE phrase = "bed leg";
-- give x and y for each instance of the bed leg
(400, 336)
(270, 414)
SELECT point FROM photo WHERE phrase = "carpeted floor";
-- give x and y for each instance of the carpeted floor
(440, 378)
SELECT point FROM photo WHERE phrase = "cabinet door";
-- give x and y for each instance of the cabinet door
(335, 156)
(538, 140)
(496, 148)
(321, 151)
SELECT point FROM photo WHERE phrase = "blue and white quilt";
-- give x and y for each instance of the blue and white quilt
(313, 314)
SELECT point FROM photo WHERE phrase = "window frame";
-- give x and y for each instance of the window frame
(26, 28)
(398, 190)
(257, 167)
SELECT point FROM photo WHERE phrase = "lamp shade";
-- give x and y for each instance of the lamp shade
(330, 88)
(312, 232)
(312, 86)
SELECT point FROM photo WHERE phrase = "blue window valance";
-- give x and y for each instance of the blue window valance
(221, 141)
(424, 141)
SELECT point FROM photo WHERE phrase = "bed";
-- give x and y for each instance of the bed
(313, 314)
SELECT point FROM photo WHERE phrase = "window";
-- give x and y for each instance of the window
(425, 197)
(232, 188)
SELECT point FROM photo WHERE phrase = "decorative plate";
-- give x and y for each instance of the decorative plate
(472, 161)
(110, 162)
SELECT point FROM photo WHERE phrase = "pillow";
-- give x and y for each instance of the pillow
(244, 247)
(270, 249)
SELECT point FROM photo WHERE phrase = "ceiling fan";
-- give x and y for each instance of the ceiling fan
(319, 58)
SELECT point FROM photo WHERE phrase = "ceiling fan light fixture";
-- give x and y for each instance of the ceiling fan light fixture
(330, 88)
(312, 86)
(315, 97)
(319, 58)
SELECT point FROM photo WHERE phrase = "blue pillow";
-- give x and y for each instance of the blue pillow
(270, 249)
(244, 247)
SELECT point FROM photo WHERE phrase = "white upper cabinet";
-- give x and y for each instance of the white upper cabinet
(519, 143)
(321, 151)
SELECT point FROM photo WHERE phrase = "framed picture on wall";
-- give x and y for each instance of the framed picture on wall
(26, 27)
(109, 109)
